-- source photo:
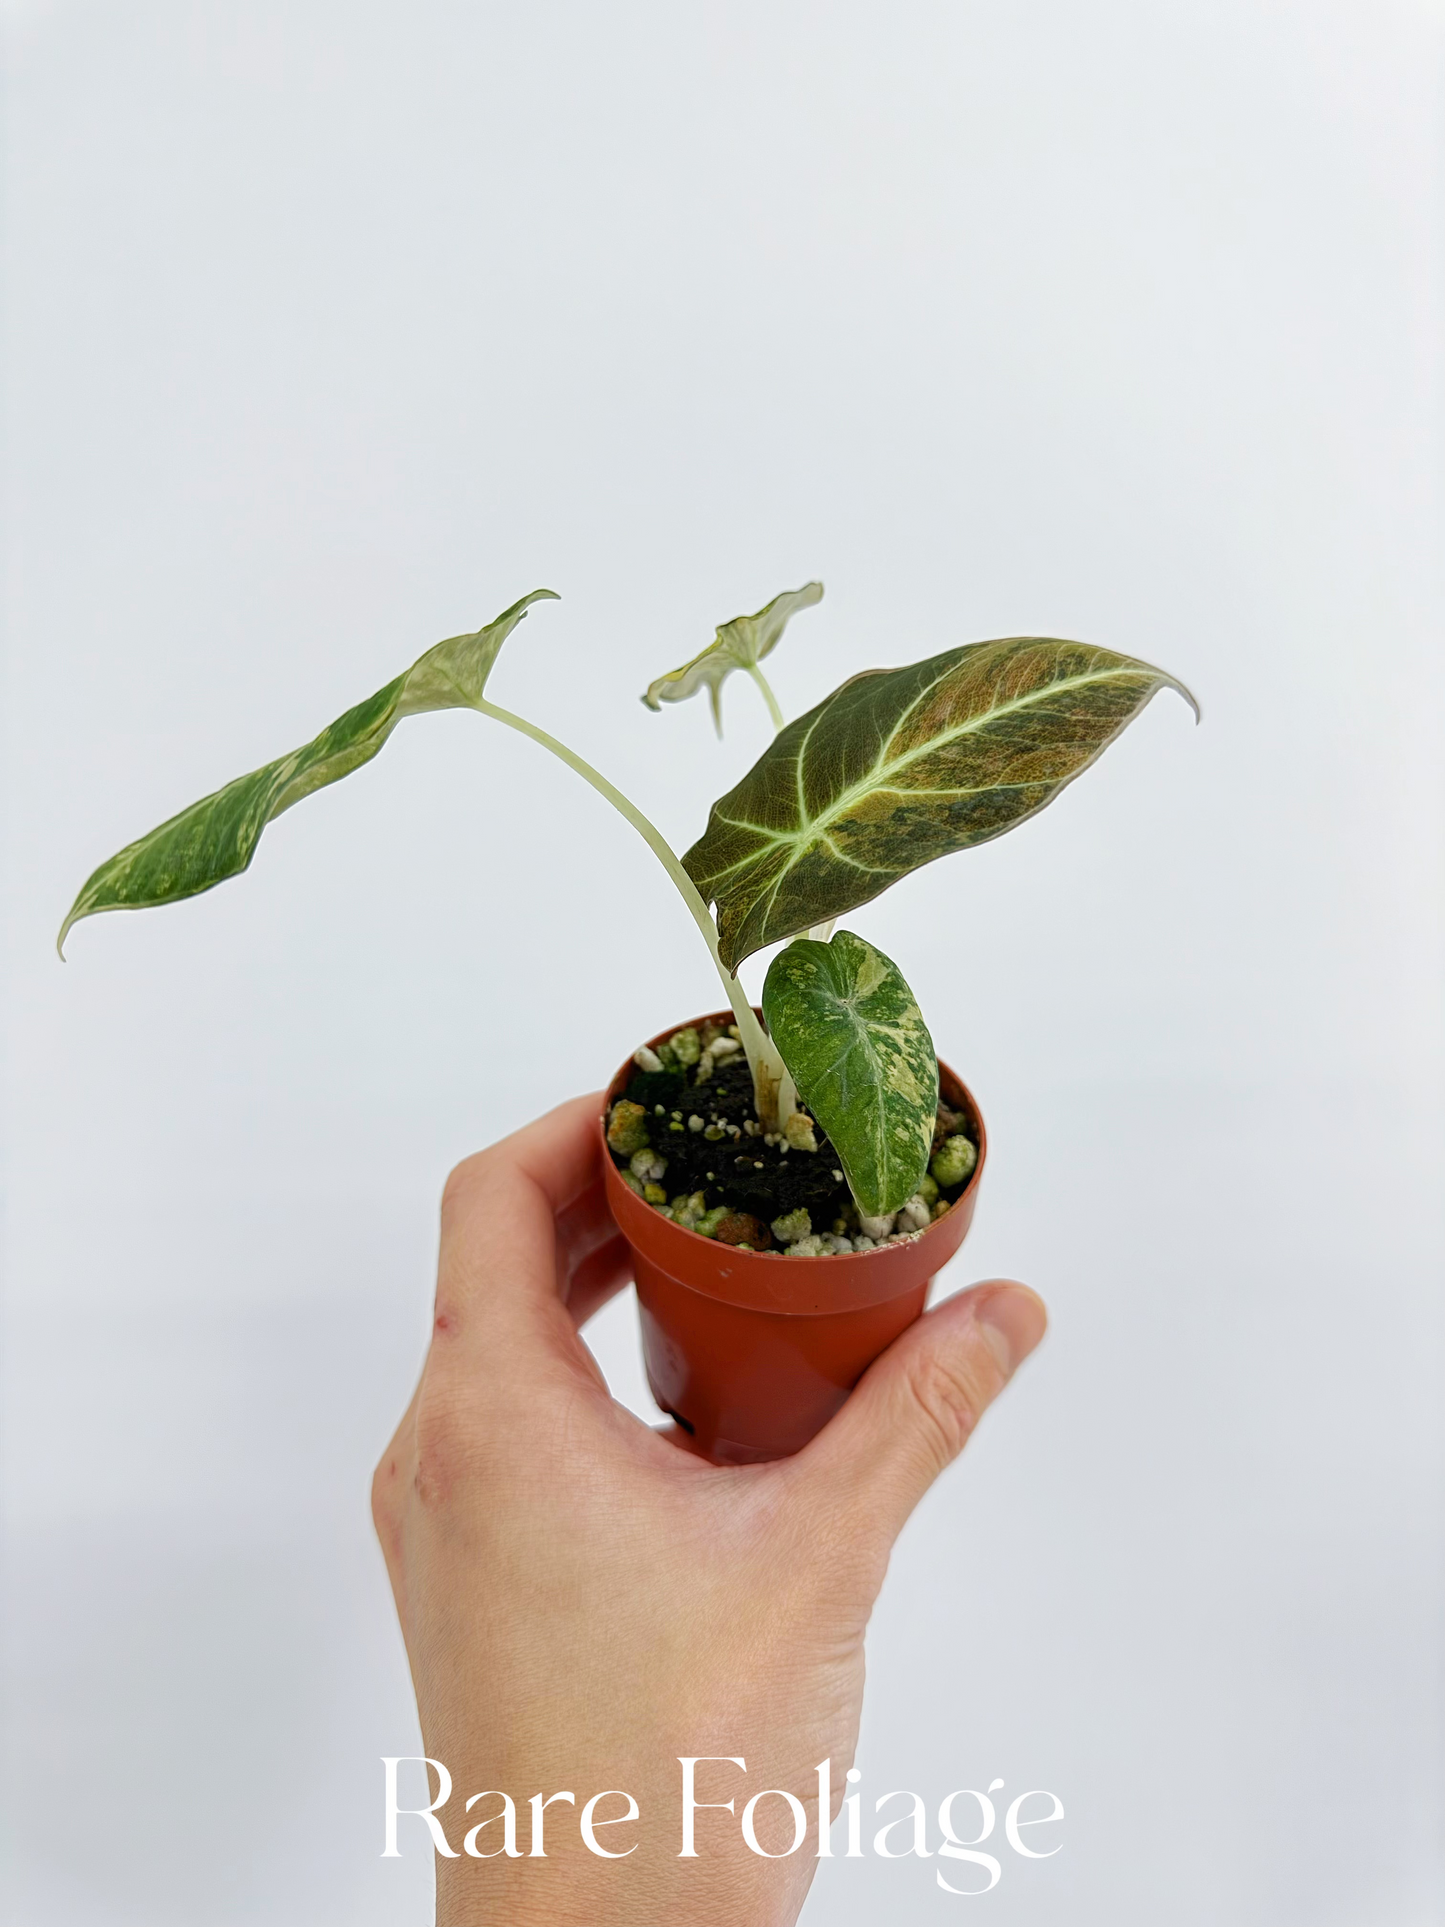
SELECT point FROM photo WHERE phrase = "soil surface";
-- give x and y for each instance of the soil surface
(745, 1172)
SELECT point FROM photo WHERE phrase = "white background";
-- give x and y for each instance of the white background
(333, 329)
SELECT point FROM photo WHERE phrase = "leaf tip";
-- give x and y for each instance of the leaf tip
(511, 617)
(1189, 696)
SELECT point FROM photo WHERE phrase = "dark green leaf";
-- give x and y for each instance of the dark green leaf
(900, 766)
(217, 837)
(855, 1041)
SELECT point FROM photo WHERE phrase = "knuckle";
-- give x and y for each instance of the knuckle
(462, 1182)
(385, 1496)
(948, 1398)
(446, 1443)
(382, 1480)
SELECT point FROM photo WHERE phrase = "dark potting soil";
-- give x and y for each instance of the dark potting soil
(744, 1173)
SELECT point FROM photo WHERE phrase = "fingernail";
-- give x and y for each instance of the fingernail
(1012, 1321)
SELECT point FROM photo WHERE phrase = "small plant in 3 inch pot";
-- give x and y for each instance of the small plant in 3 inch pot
(789, 1179)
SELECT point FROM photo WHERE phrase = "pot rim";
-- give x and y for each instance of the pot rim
(746, 1257)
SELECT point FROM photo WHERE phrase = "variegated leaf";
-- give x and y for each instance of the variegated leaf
(901, 766)
(739, 644)
(851, 1033)
(217, 837)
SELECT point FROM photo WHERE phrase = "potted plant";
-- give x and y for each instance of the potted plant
(790, 1179)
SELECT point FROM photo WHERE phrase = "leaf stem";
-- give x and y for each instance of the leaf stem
(768, 697)
(762, 1054)
(787, 1089)
(787, 1097)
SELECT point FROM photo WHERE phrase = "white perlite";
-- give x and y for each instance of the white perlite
(915, 1215)
(793, 1226)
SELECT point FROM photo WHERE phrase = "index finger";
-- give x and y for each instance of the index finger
(498, 1277)
(559, 1152)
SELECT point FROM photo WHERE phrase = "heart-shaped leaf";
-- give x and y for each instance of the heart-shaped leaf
(852, 1035)
(900, 766)
(739, 644)
(217, 837)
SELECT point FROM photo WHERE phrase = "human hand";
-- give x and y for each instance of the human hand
(585, 1602)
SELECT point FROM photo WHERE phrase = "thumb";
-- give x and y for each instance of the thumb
(915, 1407)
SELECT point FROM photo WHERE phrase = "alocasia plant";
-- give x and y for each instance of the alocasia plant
(896, 768)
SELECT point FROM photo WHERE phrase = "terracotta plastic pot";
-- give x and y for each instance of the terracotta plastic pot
(753, 1354)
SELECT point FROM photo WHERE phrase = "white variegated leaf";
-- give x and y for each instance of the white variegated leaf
(216, 838)
(852, 1035)
(739, 644)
